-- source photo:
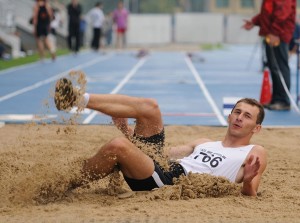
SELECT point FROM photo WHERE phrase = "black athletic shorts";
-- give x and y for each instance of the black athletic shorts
(158, 179)
(157, 142)
(42, 31)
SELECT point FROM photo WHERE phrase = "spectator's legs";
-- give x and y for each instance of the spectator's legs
(40, 46)
(77, 39)
(50, 47)
(278, 59)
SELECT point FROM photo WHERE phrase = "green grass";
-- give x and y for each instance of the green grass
(5, 64)
(209, 46)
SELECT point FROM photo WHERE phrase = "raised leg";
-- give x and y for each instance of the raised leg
(145, 110)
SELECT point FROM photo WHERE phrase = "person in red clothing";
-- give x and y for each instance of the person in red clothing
(276, 20)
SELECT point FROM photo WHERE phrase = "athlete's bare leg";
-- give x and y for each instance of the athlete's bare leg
(132, 161)
(144, 110)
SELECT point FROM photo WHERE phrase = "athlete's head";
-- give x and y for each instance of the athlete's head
(253, 102)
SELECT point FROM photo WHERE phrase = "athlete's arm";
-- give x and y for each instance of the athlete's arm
(254, 167)
(185, 150)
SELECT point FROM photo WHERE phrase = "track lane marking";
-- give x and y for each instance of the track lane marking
(49, 80)
(118, 87)
(205, 92)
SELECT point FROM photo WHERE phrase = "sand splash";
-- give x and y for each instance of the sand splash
(39, 166)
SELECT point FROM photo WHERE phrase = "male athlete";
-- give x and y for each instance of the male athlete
(233, 158)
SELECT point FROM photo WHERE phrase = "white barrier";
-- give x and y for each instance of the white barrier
(235, 34)
(155, 29)
(149, 29)
(199, 28)
(190, 28)
(7, 14)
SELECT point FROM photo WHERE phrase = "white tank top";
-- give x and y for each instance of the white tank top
(212, 158)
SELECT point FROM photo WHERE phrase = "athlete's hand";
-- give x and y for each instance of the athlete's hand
(251, 168)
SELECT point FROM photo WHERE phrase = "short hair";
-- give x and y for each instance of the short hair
(98, 4)
(253, 102)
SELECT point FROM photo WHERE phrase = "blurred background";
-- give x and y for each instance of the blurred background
(151, 23)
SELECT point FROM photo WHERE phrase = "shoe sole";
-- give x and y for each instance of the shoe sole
(64, 95)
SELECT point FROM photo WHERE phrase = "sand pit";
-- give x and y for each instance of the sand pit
(36, 161)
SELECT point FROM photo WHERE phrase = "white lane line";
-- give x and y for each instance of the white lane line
(180, 114)
(75, 110)
(206, 92)
(44, 82)
(187, 114)
(25, 117)
(118, 87)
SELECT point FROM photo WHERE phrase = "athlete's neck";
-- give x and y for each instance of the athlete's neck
(232, 141)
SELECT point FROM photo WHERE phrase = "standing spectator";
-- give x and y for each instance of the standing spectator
(54, 25)
(108, 28)
(96, 17)
(295, 40)
(82, 29)
(23, 50)
(2, 50)
(42, 15)
(120, 18)
(277, 23)
(74, 12)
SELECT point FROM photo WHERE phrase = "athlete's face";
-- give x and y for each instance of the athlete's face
(242, 120)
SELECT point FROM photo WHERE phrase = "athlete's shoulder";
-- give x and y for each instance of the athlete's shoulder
(259, 151)
(258, 148)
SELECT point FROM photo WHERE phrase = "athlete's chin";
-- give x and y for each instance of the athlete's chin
(236, 132)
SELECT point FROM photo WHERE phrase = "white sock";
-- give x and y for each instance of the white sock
(86, 98)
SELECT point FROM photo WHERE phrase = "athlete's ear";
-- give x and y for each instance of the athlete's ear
(257, 128)
(228, 117)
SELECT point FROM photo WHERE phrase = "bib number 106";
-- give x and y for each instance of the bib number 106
(213, 161)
